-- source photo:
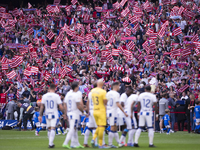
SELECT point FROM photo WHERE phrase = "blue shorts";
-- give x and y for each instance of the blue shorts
(44, 120)
(82, 118)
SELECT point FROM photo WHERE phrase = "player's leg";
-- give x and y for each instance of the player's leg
(70, 133)
(132, 132)
(86, 136)
(150, 129)
(102, 123)
(30, 117)
(96, 117)
(92, 126)
(138, 131)
(25, 119)
(52, 132)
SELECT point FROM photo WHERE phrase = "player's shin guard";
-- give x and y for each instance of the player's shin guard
(48, 133)
(100, 134)
(69, 136)
(93, 132)
(151, 135)
(51, 137)
(86, 136)
(130, 136)
(168, 130)
(56, 130)
(85, 129)
(116, 135)
(110, 137)
(137, 135)
(61, 129)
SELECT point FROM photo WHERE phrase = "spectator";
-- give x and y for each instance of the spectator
(32, 97)
(171, 105)
(180, 116)
(11, 107)
(26, 93)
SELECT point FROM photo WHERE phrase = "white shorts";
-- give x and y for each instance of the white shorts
(167, 126)
(197, 121)
(38, 124)
(121, 121)
(91, 123)
(112, 119)
(131, 123)
(43, 125)
(51, 122)
(146, 117)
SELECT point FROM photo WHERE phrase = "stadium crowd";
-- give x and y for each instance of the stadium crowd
(134, 42)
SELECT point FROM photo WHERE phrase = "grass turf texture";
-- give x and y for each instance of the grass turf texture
(26, 140)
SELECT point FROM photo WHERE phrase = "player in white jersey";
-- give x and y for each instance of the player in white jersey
(146, 101)
(123, 100)
(91, 125)
(72, 105)
(112, 105)
(50, 103)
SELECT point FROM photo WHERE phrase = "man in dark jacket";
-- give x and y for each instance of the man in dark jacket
(180, 116)
(171, 105)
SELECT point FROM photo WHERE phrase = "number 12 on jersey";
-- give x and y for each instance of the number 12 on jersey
(146, 103)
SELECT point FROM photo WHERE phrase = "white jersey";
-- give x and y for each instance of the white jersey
(146, 100)
(51, 102)
(123, 98)
(113, 98)
(90, 102)
(128, 103)
(71, 99)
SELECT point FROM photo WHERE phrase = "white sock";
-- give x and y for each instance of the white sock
(137, 135)
(122, 139)
(69, 136)
(110, 137)
(86, 136)
(130, 136)
(76, 138)
(93, 132)
(151, 135)
(116, 135)
(51, 137)
(48, 133)
(104, 138)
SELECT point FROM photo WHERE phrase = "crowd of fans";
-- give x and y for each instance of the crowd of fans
(135, 42)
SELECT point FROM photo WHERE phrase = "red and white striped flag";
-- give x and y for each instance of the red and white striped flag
(125, 24)
(30, 46)
(182, 89)
(16, 61)
(175, 52)
(53, 46)
(102, 37)
(34, 54)
(131, 45)
(111, 39)
(66, 41)
(27, 72)
(195, 38)
(32, 82)
(197, 51)
(145, 45)
(89, 57)
(98, 9)
(115, 52)
(122, 3)
(44, 51)
(116, 5)
(173, 2)
(30, 31)
(15, 12)
(180, 11)
(74, 2)
(177, 31)
(29, 5)
(186, 52)
(47, 76)
(126, 79)
(109, 57)
(34, 69)
(125, 12)
(68, 69)
(63, 72)
(128, 31)
(162, 31)
(50, 35)
(11, 74)
(149, 31)
(23, 50)
(19, 78)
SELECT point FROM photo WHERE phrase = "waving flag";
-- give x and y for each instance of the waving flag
(115, 52)
(50, 35)
(125, 12)
(11, 74)
(44, 51)
(177, 31)
(126, 79)
(74, 2)
(182, 89)
(29, 5)
(89, 57)
(111, 39)
(34, 69)
(131, 45)
(30, 31)
(16, 61)
(47, 76)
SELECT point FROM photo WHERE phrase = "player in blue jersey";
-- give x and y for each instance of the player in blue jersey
(59, 124)
(36, 121)
(197, 117)
(166, 121)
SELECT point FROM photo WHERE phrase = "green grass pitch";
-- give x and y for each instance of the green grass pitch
(26, 140)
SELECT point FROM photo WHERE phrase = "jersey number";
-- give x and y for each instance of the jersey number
(146, 103)
(50, 104)
(111, 102)
(96, 100)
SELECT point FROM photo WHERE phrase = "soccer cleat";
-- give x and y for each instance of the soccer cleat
(136, 145)
(161, 131)
(82, 133)
(86, 145)
(113, 146)
(171, 131)
(104, 147)
(58, 133)
(66, 146)
(130, 145)
(36, 133)
(152, 145)
(92, 143)
(80, 146)
(52, 146)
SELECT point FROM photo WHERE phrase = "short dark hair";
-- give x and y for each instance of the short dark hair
(197, 102)
(114, 84)
(52, 86)
(63, 94)
(74, 85)
(95, 84)
(148, 88)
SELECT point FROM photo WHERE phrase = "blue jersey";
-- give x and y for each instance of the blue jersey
(197, 112)
(166, 119)
(36, 115)
(82, 118)
(86, 119)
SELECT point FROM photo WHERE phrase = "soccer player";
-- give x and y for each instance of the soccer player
(166, 121)
(91, 124)
(72, 105)
(197, 116)
(50, 102)
(59, 124)
(146, 101)
(112, 105)
(36, 121)
(122, 117)
(99, 101)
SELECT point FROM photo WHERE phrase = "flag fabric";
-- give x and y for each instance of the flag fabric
(4, 66)
(126, 79)
(122, 3)
(29, 5)
(30, 46)
(50, 35)
(115, 52)
(109, 57)
(125, 12)
(34, 69)
(195, 38)
(182, 89)
(102, 37)
(111, 39)
(27, 72)
(74, 2)
(11, 74)
(66, 41)
(131, 45)
(125, 24)
(63, 72)
(177, 31)
(89, 57)
(23, 50)
(44, 51)
(162, 31)
(16, 61)
(32, 82)
(30, 31)
(47, 76)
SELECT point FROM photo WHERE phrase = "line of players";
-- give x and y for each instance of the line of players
(73, 106)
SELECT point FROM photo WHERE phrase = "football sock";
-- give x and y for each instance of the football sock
(151, 135)
(110, 137)
(164, 129)
(85, 129)
(56, 130)
(130, 135)
(39, 129)
(81, 129)
(61, 129)
(86, 136)
(48, 133)
(100, 134)
(168, 130)
(93, 132)
(137, 135)
(69, 136)
(96, 133)
(123, 137)
(116, 135)
(51, 137)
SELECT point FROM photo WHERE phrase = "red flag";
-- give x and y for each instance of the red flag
(115, 52)
(66, 41)
(162, 31)
(182, 89)
(126, 24)
(125, 12)
(30, 46)
(29, 5)
(74, 2)
(102, 37)
(47, 76)
(50, 35)
(11, 74)
(109, 57)
(131, 45)
(111, 39)
(126, 79)
(34, 69)
(122, 3)
(30, 31)
(32, 82)
(44, 51)
(4, 66)
(16, 61)
(177, 31)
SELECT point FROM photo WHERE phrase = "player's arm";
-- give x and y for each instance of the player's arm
(79, 106)
(155, 107)
(65, 108)
(161, 123)
(87, 105)
(121, 108)
(104, 99)
(21, 114)
(61, 108)
(41, 112)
